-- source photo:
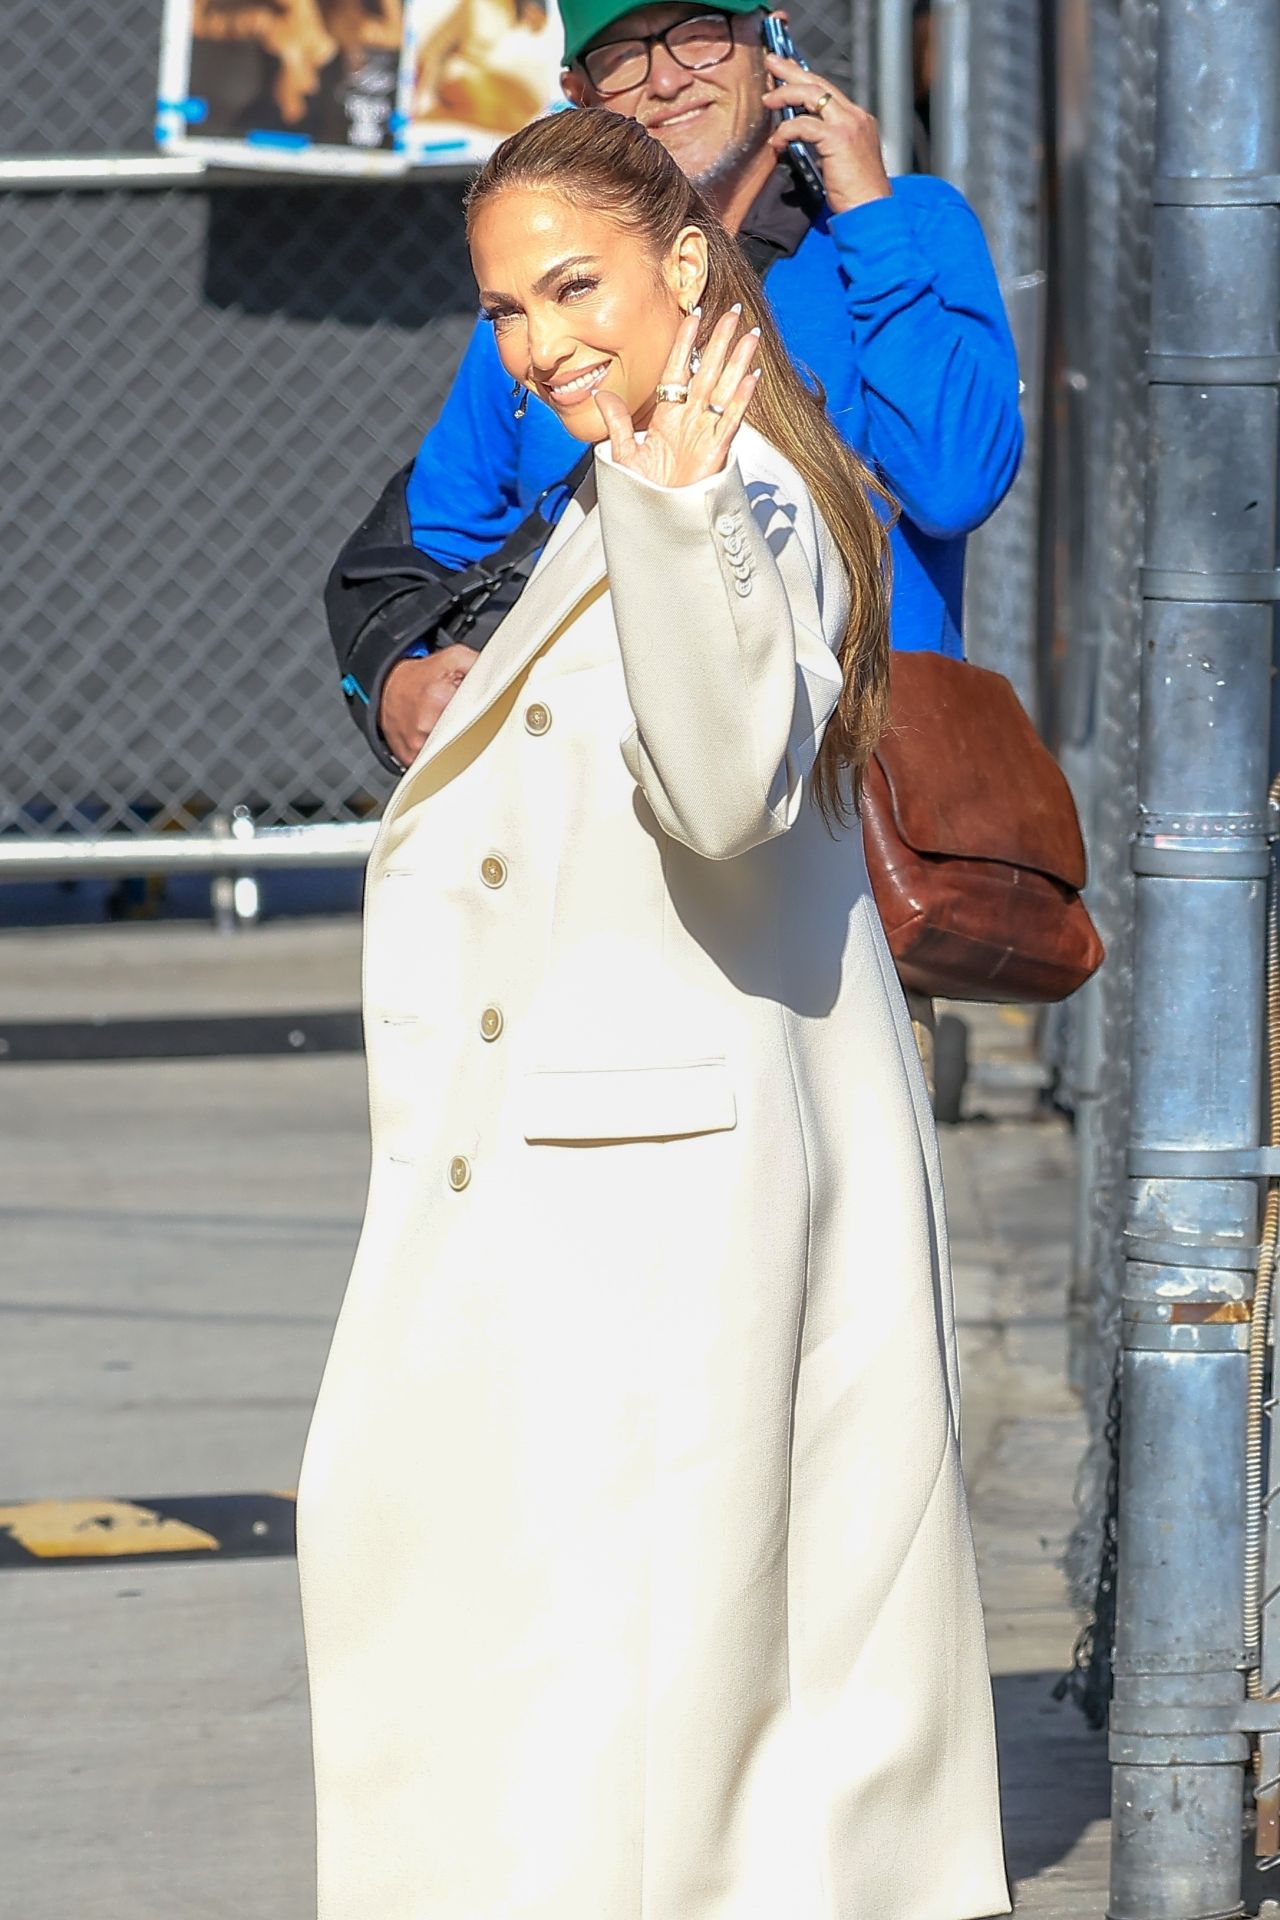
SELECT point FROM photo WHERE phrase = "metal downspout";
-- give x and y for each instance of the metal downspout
(1178, 1740)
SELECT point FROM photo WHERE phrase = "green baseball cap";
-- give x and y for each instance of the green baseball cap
(584, 19)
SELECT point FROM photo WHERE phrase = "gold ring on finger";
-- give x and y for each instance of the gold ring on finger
(821, 102)
(672, 393)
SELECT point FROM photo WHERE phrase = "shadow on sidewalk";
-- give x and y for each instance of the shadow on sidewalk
(1055, 1781)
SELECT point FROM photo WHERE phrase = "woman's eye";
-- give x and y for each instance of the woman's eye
(499, 318)
(574, 289)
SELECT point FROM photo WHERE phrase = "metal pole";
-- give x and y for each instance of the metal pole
(1200, 858)
(1005, 182)
(862, 35)
(949, 92)
(1078, 398)
(1122, 91)
(895, 87)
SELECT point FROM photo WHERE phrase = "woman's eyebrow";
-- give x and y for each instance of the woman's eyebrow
(553, 273)
(541, 284)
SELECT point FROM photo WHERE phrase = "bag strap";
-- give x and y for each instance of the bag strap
(763, 253)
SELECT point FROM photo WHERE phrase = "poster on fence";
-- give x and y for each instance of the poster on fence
(474, 71)
(352, 86)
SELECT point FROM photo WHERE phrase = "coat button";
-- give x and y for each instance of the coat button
(537, 718)
(491, 1023)
(459, 1172)
(726, 524)
(742, 588)
(493, 870)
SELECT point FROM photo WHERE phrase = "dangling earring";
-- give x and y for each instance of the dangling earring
(521, 392)
(695, 358)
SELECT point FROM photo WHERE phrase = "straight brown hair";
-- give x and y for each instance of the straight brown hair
(603, 160)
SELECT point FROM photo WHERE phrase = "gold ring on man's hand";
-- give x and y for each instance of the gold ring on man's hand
(674, 395)
(821, 102)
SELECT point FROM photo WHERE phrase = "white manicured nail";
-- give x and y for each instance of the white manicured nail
(754, 330)
(736, 307)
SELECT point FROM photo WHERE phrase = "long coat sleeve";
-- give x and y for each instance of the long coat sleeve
(730, 678)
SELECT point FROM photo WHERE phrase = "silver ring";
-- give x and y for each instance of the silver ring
(674, 395)
(713, 406)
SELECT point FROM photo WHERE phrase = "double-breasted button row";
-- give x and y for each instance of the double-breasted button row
(734, 541)
(493, 872)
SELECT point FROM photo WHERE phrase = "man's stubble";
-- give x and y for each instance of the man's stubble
(731, 158)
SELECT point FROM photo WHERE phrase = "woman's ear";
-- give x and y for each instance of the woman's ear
(685, 269)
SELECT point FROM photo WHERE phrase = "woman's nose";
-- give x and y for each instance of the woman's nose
(548, 344)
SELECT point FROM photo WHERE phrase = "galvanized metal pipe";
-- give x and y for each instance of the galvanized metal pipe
(949, 24)
(1201, 860)
(895, 83)
(862, 36)
(1004, 174)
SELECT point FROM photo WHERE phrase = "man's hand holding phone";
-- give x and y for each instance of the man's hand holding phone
(843, 137)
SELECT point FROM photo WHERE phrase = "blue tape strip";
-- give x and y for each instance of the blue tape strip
(193, 109)
(288, 142)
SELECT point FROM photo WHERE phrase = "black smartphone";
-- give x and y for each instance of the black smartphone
(801, 157)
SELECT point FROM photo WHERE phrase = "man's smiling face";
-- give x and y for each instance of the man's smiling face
(712, 121)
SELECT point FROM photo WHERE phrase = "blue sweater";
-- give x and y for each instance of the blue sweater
(895, 308)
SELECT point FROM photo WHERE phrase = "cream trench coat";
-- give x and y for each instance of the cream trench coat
(636, 1567)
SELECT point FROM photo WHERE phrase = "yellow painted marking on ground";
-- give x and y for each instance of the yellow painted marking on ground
(98, 1530)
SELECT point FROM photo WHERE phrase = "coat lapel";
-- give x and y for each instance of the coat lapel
(571, 570)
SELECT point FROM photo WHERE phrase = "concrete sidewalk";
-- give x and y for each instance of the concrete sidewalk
(176, 1239)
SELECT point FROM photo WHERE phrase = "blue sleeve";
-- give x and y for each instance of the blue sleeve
(935, 355)
(463, 493)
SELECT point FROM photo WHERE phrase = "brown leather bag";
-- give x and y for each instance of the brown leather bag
(973, 842)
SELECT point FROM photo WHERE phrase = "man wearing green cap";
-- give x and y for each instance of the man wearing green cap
(885, 293)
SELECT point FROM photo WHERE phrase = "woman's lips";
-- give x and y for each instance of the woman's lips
(571, 392)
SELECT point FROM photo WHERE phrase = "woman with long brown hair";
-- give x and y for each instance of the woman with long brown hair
(636, 1566)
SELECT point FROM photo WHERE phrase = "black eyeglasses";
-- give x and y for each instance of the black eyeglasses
(703, 40)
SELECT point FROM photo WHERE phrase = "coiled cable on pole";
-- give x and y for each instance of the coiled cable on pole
(1260, 1319)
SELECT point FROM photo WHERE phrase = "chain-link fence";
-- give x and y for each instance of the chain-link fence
(201, 390)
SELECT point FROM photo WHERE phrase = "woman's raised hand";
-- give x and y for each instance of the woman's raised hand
(688, 440)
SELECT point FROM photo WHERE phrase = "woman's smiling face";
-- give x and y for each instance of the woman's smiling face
(577, 303)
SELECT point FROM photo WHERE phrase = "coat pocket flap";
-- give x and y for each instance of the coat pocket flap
(627, 1103)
